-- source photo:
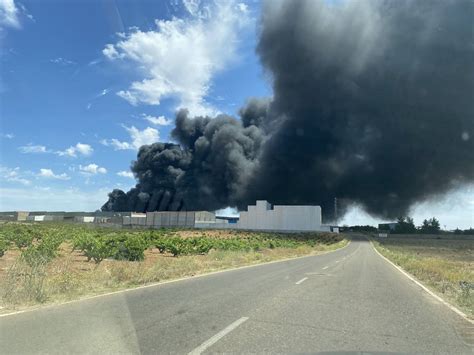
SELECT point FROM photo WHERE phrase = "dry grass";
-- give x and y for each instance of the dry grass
(69, 276)
(443, 265)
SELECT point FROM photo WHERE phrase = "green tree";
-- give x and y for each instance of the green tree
(405, 225)
(410, 225)
(425, 227)
(435, 226)
(430, 226)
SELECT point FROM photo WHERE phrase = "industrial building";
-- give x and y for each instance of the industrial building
(281, 218)
(13, 216)
(227, 219)
(387, 226)
(187, 219)
(261, 216)
(38, 218)
(100, 217)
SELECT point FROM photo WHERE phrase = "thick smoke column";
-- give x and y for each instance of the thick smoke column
(207, 169)
(373, 104)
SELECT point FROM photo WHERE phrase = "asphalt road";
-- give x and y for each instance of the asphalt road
(350, 300)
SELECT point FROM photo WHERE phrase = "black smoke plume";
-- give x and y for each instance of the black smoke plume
(207, 169)
(372, 103)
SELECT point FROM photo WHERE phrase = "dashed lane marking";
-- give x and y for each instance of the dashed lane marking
(211, 341)
(302, 280)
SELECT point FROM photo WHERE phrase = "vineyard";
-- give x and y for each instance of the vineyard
(46, 262)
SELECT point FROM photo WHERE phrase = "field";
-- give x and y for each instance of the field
(445, 266)
(47, 263)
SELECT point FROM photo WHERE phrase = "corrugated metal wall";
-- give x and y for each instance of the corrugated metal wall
(171, 219)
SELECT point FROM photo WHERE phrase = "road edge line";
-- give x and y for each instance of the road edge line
(426, 289)
(159, 283)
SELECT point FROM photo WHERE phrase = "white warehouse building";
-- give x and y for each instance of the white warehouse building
(282, 218)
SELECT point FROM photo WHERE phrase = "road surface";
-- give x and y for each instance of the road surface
(350, 300)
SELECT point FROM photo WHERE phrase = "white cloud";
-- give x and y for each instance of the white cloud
(110, 52)
(243, 7)
(181, 56)
(72, 151)
(7, 135)
(33, 149)
(137, 138)
(94, 62)
(92, 169)
(127, 174)
(48, 173)
(103, 93)
(9, 14)
(118, 145)
(22, 181)
(84, 149)
(13, 175)
(192, 6)
(159, 121)
(79, 148)
(62, 61)
(147, 136)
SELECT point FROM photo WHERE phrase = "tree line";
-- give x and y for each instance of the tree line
(406, 225)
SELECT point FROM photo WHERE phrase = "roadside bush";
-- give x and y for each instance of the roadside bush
(25, 282)
(42, 252)
(22, 237)
(175, 249)
(4, 244)
(204, 246)
(178, 246)
(99, 249)
(123, 246)
(26, 278)
(465, 297)
(103, 249)
(161, 244)
(83, 242)
(132, 249)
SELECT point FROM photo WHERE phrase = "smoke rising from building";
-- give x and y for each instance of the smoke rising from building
(372, 103)
(208, 167)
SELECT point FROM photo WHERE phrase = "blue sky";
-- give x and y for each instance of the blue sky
(68, 128)
(84, 83)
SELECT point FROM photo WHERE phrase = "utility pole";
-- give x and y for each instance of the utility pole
(335, 210)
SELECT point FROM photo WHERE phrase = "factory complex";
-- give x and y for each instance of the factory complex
(261, 216)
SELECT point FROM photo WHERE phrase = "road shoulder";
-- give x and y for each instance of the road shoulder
(425, 288)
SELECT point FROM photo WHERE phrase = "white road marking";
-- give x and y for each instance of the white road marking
(337, 261)
(302, 280)
(324, 268)
(218, 336)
